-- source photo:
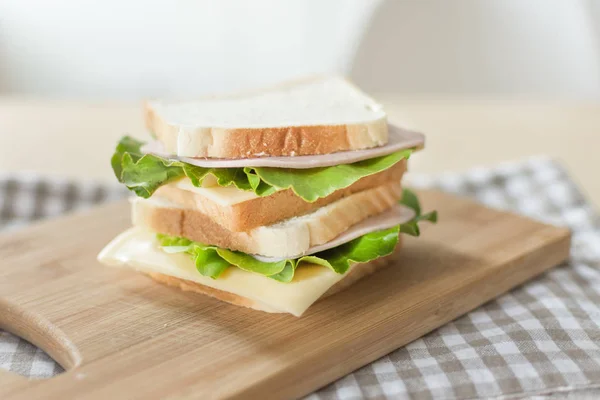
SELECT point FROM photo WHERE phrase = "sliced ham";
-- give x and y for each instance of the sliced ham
(396, 215)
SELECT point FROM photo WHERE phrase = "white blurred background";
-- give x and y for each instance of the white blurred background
(129, 49)
(485, 80)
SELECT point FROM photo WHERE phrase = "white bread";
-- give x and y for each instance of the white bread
(255, 211)
(319, 115)
(284, 239)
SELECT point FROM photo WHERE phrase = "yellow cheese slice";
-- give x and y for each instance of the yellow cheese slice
(138, 249)
(222, 195)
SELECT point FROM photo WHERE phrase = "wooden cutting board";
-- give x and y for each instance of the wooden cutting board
(120, 335)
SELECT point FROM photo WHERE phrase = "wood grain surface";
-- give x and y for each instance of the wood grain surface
(120, 335)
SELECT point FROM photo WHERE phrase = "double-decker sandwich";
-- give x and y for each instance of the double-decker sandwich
(270, 199)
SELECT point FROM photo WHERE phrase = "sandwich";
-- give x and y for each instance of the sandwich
(269, 199)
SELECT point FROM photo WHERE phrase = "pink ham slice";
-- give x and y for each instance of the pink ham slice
(399, 139)
(396, 215)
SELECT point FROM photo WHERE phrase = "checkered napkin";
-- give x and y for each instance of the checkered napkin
(23, 199)
(542, 338)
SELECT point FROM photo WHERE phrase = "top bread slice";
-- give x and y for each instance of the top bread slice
(320, 115)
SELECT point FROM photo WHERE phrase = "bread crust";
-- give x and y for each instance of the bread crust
(214, 142)
(193, 224)
(265, 142)
(279, 206)
(351, 278)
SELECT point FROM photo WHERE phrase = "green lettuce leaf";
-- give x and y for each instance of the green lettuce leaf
(314, 183)
(410, 200)
(212, 261)
(144, 173)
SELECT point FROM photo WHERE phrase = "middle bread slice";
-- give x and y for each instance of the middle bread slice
(242, 211)
(289, 237)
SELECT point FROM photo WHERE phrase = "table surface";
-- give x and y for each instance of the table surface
(42, 136)
(76, 139)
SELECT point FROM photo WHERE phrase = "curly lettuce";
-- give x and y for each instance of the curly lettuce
(144, 173)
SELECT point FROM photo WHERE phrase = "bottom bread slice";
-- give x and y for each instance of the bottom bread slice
(139, 250)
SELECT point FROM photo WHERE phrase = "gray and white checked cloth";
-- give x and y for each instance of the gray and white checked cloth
(540, 339)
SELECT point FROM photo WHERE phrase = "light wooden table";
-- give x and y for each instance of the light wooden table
(76, 139)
